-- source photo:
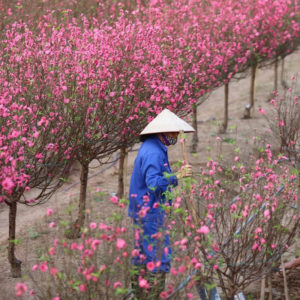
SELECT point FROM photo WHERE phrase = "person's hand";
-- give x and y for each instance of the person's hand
(185, 171)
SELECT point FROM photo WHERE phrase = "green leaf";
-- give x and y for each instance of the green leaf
(179, 211)
(209, 287)
(229, 140)
(16, 241)
(64, 223)
(33, 234)
(70, 208)
(120, 291)
(63, 179)
(116, 217)
(60, 275)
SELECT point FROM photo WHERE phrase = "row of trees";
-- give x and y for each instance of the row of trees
(80, 88)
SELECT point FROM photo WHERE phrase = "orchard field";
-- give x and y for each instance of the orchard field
(81, 79)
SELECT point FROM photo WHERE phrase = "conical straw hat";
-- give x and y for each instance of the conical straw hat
(166, 121)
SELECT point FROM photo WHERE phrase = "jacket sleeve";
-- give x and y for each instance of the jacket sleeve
(156, 174)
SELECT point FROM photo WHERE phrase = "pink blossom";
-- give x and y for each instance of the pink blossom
(114, 199)
(36, 134)
(51, 224)
(34, 267)
(7, 184)
(198, 266)
(135, 253)
(255, 246)
(262, 241)
(95, 243)
(258, 230)
(53, 271)
(182, 269)
(102, 268)
(267, 213)
(150, 266)
(190, 296)
(102, 226)
(74, 246)
(174, 271)
(163, 295)
(203, 230)
(44, 267)
(93, 225)
(20, 288)
(49, 211)
(143, 212)
(120, 244)
(156, 205)
(233, 208)
(143, 283)
(117, 284)
(82, 287)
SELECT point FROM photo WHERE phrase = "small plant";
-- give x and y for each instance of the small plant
(284, 120)
(33, 234)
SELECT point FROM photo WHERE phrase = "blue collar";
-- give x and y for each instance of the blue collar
(159, 143)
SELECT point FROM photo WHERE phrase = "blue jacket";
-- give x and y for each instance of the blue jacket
(150, 179)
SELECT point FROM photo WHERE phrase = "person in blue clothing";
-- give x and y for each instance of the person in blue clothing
(151, 182)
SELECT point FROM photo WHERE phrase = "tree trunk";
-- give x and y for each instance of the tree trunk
(226, 97)
(253, 86)
(121, 175)
(79, 223)
(282, 80)
(276, 74)
(15, 264)
(250, 106)
(125, 171)
(195, 139)
(231, 292)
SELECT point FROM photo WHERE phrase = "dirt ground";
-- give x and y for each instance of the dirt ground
(210, 114)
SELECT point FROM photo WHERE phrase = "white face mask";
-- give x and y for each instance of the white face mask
(169, 140)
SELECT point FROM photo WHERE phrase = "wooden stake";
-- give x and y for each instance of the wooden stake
(262, 289)
(286, 292)
(184, 156)
(270, 287)
(190, 203)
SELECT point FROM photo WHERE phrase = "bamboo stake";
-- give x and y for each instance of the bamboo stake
(262, 289)
(270, 289)
(184, 156)
(286, 292)
(190, 203)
